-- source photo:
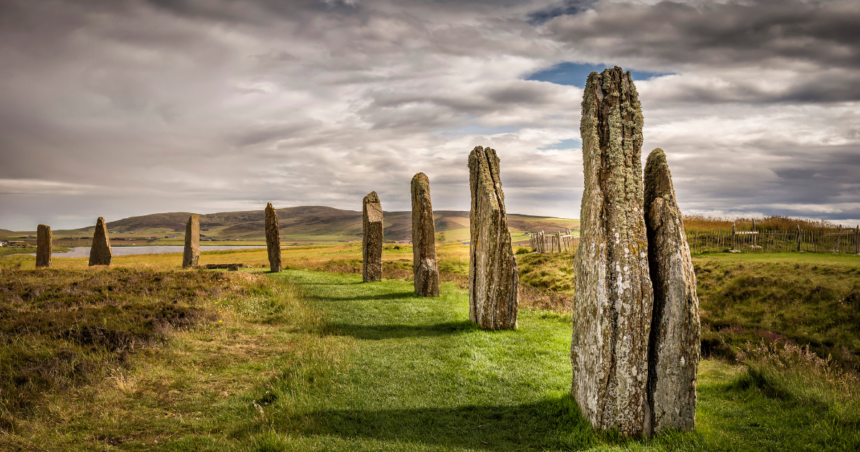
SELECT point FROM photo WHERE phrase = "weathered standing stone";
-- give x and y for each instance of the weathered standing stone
(192, 242)
(273, 239)
(673, 357)
(371, 263)
(493, 277)
(612, 312)
(100, 253)
(43, 246)
(424, 269)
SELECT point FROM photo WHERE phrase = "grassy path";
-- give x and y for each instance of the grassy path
(423, 377)
(419, 376)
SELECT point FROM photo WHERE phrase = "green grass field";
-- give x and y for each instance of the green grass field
(149, 357)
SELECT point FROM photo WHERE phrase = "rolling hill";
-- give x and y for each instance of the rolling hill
(318, 223)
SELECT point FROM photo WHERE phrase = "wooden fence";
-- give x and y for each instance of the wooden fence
(844, 241)
(838, 240)
(542, 242)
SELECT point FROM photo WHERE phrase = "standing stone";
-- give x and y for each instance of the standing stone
(100, 253)
(371, 263)
(612, 313)
(424, 269)
(493, 277)
(192, 242)
(273, 239)
(43, 246)
(674, 346)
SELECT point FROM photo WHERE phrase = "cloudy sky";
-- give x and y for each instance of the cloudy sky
(126, 108)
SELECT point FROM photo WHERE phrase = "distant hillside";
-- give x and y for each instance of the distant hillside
(317, 223)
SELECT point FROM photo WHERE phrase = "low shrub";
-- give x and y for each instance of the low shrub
(785, 370)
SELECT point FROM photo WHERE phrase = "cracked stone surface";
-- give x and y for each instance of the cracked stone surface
(273, 239)
(372, 237)
(44, 246)
(493, 277)
(100, 253)
(613, 293)
(424, 268)
(191, 256)
(675, 341)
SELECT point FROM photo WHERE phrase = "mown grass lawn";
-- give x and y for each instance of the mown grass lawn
(420, 377)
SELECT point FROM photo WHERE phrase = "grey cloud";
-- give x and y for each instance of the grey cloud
(211, 105)
(563, 8)
(679, 35)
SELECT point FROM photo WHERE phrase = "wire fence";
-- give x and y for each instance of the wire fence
(834, 240)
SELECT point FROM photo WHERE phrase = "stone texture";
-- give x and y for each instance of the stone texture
(43, 246)
(674, 345)
(192, 242)
(424, 269)
(493, 277)
(273, 239)
(372, 237)
(100, 253)
(612, 312)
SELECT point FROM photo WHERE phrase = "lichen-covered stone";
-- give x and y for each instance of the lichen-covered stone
(372, 238)
(100, 253)
(612, 312)
(674, 345)
(273, 239)
(192, 242)
(424, 269)
(493, 277)
(43, 246)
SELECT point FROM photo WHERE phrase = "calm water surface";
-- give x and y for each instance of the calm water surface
(84, 251)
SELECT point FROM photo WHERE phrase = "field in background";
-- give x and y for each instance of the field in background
(298, 226)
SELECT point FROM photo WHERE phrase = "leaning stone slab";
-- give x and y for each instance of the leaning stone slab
(493, 277)
(371, 262)
(100, 253)
(612, 312)
(675, 342)
(424, 268)
(192, 242)
(273, 239)
(43, 246)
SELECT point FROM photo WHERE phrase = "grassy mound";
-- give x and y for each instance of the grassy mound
(804, 300)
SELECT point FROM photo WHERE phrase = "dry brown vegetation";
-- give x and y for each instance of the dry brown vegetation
(771, 223)
(64, 328)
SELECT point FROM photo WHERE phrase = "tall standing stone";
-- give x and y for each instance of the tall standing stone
(43, 246)
(493, 277)
(371, 263)
(424, 269)
(612, 313)
(192, 242)
(100, 252)
(273, 239)
(674, 346)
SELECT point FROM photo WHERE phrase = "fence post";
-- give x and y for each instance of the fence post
(755, 236)
(733, 235)
(799, 235)
(695, 240)
(857, 240)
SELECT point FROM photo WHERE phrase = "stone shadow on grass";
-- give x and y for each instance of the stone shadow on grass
(378, 332)
(548, 424)
(407, 295)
